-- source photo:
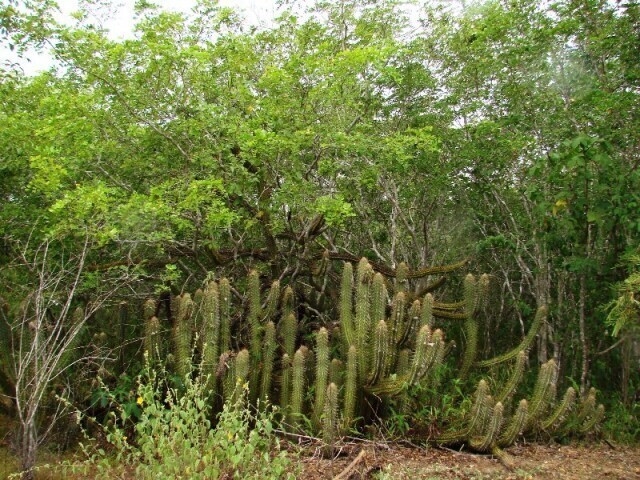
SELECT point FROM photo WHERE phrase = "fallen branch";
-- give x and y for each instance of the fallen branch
(344, 475)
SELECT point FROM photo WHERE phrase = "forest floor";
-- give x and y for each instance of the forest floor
(557, 462)
(545, 462)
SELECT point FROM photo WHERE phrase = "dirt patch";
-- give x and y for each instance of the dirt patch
(528, 462)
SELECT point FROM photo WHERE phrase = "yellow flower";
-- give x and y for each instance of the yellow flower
(139, 401)
(229, 436)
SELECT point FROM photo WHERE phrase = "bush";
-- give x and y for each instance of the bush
(174, 437)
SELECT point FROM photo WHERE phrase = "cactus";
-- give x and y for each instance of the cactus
(526, 343)
(268, 358)
(380, 352)
(346, 305)
(514, 379)
(330, 419)
(470, 324)
(426, 315)
(182, 334)
(543, 392)
(224, 290)
(378, 299)
(285, 385)
(322, 373)
(561, 411)
(210, 306)
(486, 441)
(362, 323)
(288, 333)
(350, 388)
(516, 425)
(593, 421)
(336, 371)
(402, 278)
(151, 331)
(297, 388)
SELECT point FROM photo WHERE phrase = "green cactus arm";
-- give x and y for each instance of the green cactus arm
(285, 384)
(322, 373)
(210, 305)
(182, 334)
(273, 299)
(587, 405)
(224, 289)
(378, 299)
(297, 387)
(388, 387)
(362, 322)
(593, 421)
(288, 333)
(287, 306)
(396, 324)
(346, 305)
(420, 355)
(478, 407)
(380, 353)
(516, 426)
(448, 306)
(351, 387)
(423, 272)
(402, 278)
(542, 392)
(449, 315)
(426, 313)
(485, 442)
(561, 411)
(336, 372)
(471, 346)
(268, 359)
(514, 379)
(526, 343)
(413, 319)
(470, 295)
(330, 418)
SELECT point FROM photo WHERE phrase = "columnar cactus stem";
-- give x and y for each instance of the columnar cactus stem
(224, 290)
(273, 299)
(322, 373)
(380, 352)
(268, 358)
(336, 372)
(514, 379)
(285, 386)
(182, 334)
(516, 425)
(378, 299)
(561, 411)
(490, 436)
(210, 306)
(330, 419)
(363, 326)
(542, 393)
(350, 388)
(288, 333)
(402, 276)
(297, 391)
(346, 305)
(426, 316)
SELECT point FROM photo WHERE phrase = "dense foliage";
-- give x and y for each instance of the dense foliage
(506, 133)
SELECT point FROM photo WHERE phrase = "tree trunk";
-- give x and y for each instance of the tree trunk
(583, 337)
(29, 449)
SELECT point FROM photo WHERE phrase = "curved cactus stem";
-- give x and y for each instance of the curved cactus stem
(593, 421)
(514, 379)
(561, 411)
(486, 441)
(388, 387)
(516, 426)
(526, 343)
(543, 392)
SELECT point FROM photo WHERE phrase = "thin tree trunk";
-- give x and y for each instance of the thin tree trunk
(583, 337)
(29, 449)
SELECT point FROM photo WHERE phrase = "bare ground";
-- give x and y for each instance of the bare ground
(528, 462)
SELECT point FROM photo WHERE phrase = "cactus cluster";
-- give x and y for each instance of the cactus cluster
(495, 422)
(386, 340)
